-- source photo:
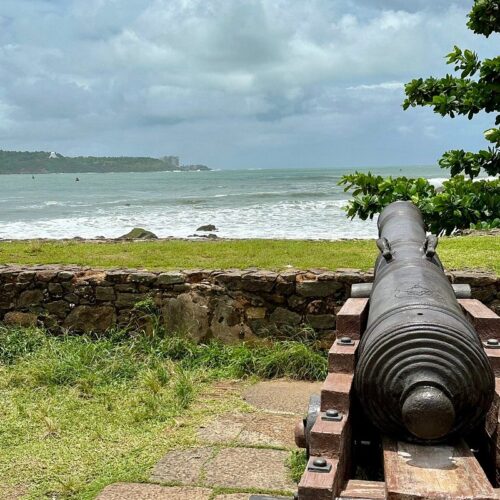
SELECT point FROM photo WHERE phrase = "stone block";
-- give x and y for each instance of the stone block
(296, 301)
(141, 491)
(26, 276)
(124, 300)
(105, 293)
(126, 288)
(238, 496)
(142, 277)
(72, 298)
(283, 396)
(59, 308)
(314, 288)
(321, 321)
(260, 326)
(30, 298)
(228, 322)
(259, 281)
(284, 287)
(255, 312)
(284, 316)
(6, 300)
(91, 318)
(230, 279)
(65, 276)
(195, 275)
(253, 429)
(17, 318)
(45, 276)
(55, 289)
(475, 278)
(187, 313)
(117, 276)
(249, 468)
(170, 278)
(485, 293)
(181, 466)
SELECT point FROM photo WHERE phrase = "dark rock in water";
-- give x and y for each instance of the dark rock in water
(210, 236)
(207, 227)
(138, 233)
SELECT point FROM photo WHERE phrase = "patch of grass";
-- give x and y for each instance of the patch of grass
(456, 253)
(81, 412)
(296, 464)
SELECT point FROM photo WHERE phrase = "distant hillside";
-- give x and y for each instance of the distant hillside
(43, 162)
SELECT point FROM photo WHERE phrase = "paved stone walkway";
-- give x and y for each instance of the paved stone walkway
(238, 452)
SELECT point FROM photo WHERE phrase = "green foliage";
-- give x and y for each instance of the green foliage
(371, 193)
(18, 342)
(484, 17)
(296, 463)
(461, 203)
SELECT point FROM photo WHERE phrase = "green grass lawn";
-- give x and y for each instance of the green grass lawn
(79, 413)
(478, 252)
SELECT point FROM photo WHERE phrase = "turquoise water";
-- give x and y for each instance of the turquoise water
(296, 203)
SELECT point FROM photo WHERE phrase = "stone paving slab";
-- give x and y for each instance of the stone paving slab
(249, 468)
(285, 396)
(183, 466)
(252, 429)
(138, 491)
(248, 496)
(234, 496)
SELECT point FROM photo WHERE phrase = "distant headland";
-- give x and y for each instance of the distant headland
(44, 162)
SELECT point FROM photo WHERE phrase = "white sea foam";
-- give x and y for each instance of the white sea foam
(315, 220)
(241, 204)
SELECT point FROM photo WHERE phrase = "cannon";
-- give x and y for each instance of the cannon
(422, 373)
(410, 406)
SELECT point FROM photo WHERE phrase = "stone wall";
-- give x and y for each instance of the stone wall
(228, 305)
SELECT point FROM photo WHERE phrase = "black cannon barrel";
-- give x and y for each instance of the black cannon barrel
(422, 373)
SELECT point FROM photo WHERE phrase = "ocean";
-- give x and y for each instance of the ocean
(252, 203)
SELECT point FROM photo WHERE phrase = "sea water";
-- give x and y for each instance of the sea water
(250, 203)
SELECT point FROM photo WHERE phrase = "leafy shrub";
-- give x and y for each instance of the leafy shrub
(462, 203)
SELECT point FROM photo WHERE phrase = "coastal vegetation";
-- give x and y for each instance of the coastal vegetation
(43, 162)
(81, 412)
(464, 201)
(478, 252)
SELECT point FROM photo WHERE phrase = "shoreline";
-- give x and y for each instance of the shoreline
(214, 239)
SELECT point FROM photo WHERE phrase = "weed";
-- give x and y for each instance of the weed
(34, 247)
(18, 342)
(146, 305)
(183, 388)
(296, 464)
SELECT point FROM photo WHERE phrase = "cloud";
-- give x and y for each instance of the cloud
(226, 82)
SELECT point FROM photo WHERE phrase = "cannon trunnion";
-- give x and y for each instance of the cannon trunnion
(422, 373)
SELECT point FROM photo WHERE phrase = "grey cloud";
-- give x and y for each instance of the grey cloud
(180, 76)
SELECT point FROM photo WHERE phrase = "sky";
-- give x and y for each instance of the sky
(232, 83)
